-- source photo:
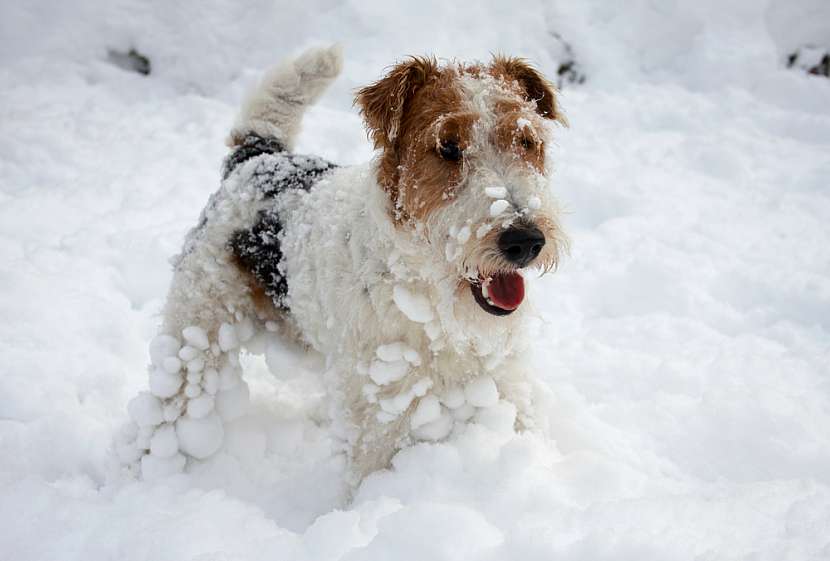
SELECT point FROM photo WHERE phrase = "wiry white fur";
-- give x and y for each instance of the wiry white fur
(388, 305)
(345, 260)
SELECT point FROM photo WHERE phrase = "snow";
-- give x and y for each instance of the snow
(228, 377)
(171, 365)
(463, 412)
(201, 437)
(195, 365)
(145, 409)
(427, 411)
(155, 467)
(481, 392)
(228, 337)
(200, 406)
(499, 417)
(681, 351)
(188, 353)
(164, 384)
(164, 443)
(453, 398)
(172, 411)
(396, 405)
(496, 192)
(497, 207)
(414, 306)
(163, 347)
(436, 429)
(392, 351)
(382, 372)
(196, 336)
(192, 389)
(210, 381)
(233, 402)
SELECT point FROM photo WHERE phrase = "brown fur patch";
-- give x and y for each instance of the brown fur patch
(524, 142)
(263, 304)
(428, 181)
(533, 85)
(383, 103)
(384, 106)
(402, 112)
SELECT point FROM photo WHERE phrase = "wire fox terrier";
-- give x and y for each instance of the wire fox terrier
(408, 273)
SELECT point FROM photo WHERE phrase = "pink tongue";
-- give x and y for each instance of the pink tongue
(506, 290)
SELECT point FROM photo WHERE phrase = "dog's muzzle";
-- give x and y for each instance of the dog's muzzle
(501, 293)
(521, 244)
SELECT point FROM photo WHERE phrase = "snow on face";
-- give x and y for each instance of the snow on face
(464, 159)
(502, 178)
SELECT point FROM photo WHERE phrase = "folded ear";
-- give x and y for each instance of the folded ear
(534, 85)
(382, 104)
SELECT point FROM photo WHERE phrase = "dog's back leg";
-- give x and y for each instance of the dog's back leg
(215, 302)
(195, 382)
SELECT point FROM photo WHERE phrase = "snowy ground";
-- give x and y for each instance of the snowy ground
(684, 346)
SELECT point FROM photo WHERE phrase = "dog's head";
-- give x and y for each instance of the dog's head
(464, 161)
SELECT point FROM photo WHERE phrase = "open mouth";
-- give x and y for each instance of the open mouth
(499, 294)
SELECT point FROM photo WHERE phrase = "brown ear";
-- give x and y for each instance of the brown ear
(535, 86)
(382, 104)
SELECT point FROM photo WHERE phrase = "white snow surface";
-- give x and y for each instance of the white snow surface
(682, 348)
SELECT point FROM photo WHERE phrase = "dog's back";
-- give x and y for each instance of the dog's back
(267, 126)
(256, 248)
(241, 222)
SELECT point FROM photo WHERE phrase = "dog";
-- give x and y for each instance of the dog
(408, 272)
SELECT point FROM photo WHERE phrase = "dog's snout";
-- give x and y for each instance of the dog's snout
(521, 244)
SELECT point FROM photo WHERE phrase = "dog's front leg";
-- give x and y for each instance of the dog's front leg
(514, 386)
(390, 405)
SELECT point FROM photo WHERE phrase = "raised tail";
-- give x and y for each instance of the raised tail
(275, 108)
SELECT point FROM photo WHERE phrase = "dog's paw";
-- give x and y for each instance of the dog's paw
(195, 387)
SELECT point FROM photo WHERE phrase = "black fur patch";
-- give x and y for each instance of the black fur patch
(257, 249)
(251, 146)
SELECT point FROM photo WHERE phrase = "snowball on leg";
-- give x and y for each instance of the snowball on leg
(195, 388)
(155, 467)
(200, 438)
(233, 402)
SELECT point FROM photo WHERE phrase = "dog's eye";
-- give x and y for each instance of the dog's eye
(450, 151)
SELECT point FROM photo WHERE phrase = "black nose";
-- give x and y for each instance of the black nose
(521, 244)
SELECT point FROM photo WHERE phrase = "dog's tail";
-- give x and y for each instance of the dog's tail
(275, 108)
